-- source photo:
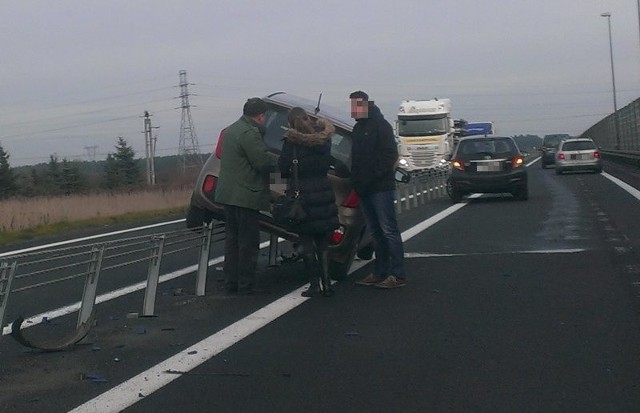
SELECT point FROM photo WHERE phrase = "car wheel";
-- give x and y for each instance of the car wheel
(598, 171)
(366, 252)
(558, 171)
(454, 194)
(544, 166)
(196, 217)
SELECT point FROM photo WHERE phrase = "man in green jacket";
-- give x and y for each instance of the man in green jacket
(243, 188)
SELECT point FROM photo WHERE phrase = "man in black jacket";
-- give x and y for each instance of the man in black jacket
(374, 157)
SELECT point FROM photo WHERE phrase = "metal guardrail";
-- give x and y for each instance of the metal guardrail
(625, 157)
(28, 271)
(24, 272)
(425, 185)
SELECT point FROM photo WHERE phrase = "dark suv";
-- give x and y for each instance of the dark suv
(352, 237)
(550, 147)
(487, 165)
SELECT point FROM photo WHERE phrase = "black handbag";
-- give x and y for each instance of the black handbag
(288, 210)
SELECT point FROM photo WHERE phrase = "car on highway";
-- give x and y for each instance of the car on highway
(487, 165)
(549, 147)
(578, 154)
(352, 237)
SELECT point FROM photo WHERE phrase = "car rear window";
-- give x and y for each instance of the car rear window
(487, 147)
(578, 146)
(276, 124)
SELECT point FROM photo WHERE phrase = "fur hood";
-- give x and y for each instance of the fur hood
(312, 139)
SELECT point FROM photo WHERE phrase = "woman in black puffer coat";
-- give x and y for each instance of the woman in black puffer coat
(312, 142)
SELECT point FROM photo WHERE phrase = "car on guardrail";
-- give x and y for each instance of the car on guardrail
(487, 165)
(352, 237)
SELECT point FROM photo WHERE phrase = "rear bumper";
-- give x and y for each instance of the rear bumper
(564, 165)
(489, 183)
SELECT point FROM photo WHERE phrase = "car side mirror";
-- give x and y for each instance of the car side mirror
(402, 176)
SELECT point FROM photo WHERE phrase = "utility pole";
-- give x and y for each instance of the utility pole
(616, 126)
(188, 148)
(150, 149)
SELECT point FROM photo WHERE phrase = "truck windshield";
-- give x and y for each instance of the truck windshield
(422, 127)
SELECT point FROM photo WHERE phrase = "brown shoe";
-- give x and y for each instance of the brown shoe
(392, 282)
(370, 279)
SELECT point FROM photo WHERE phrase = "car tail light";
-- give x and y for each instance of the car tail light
(337, 236)
(458, 164)
(517, 161)
(219, 144)
(352, 200)
(596, 154)
(209, 184)
(560, 156)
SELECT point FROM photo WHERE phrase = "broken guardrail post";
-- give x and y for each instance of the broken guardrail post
(203, 263)
(7, 272)
(153, 274)
(90, 285)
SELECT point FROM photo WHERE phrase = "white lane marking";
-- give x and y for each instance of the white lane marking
(633, 191)
(437, 255)
(147, 382)
(37, 319)
(127, 393)
(72, 241)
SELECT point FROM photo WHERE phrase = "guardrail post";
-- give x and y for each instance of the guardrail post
(420, 186)
(407, 197)
(153, 274)
(430, 186)
(203, 263)
(90, 285)
(273, 250)
(442, 184)
(7, 271)
(415, 195)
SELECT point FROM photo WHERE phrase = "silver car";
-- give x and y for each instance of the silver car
(352, 237)
(578, 154)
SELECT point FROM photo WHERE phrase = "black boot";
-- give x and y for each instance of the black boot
(327, 291)
(311, 264)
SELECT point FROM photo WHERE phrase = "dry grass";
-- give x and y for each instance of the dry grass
(24, 214)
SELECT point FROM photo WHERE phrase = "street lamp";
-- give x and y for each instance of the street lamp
(613, 80)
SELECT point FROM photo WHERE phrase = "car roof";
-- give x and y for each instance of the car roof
(577, 139)
(338, 117)
(480, 137)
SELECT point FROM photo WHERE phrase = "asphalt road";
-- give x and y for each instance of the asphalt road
(510, 307)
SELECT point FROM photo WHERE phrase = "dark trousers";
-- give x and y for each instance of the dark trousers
(242, 243)
(380, 214)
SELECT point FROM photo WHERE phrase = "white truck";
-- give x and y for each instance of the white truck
(424, 131)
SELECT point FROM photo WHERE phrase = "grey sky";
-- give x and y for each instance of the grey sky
(80, 73)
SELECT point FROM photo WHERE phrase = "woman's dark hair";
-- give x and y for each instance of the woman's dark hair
(299, 120)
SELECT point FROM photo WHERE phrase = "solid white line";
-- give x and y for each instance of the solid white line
(37, 319)
(435, 255)
(72, 241)
(633, 191)
(147, 382)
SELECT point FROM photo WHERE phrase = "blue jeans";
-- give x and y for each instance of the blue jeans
(380, 215)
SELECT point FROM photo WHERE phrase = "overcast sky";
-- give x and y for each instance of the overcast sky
(76, 74)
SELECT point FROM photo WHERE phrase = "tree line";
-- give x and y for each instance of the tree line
(121, 171)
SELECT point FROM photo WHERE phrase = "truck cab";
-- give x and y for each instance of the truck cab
(424, 131)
